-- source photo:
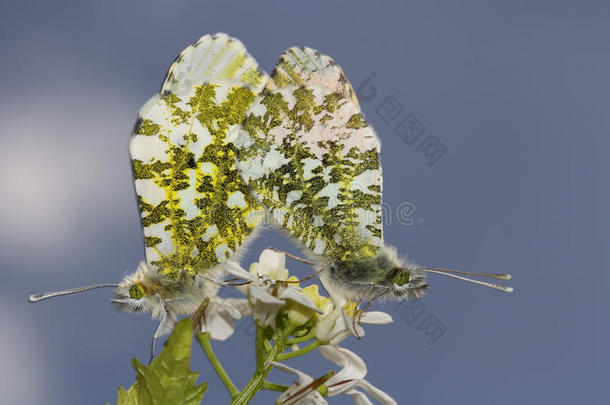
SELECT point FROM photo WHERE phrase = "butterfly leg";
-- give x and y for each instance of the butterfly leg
(299, 259)
(315, 273)
(152, 348)
(293, 257)
(365, 308)
(356, 321)
(165, 326)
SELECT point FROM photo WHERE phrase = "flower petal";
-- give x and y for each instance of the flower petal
(340, 386)
(313, 399)
(228, 306)
(353, 367)
(376, 393)
(240, 304)
(261, 294)
(288, 397)
(217, 322)
(331, 328)
(354, 328)
(339, 337)
(236, 270)
(324, 326)
(297, 296)
(376, 318)
(265, 314)
(271, 260)
(359, 398)
(303, 378)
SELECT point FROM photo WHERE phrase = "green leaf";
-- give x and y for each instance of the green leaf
(168, 380)
(128, 397)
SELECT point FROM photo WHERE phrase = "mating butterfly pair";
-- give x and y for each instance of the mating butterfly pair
(224, 146)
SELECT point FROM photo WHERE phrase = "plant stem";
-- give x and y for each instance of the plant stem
(257, 381)
(260, 348)
(204, 341)
(301, 339)
(297, 353)
(269, 386)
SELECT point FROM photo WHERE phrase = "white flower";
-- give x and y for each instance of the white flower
(265, 294)
(220, 315)
(351, 377)
(336, 325)
(346, 381)
(295, 394)
(271, 264)
(299, 315)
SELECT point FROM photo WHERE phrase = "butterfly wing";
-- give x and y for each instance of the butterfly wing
(306, 67)
(196, 210)
(307, 153)
(214, 58)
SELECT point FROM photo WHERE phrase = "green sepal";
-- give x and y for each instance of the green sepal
(168, 379)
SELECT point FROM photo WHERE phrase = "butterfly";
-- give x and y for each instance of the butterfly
(308, 155)
(196, 211)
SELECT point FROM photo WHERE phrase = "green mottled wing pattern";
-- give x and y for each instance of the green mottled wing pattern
(306, 67)
(213, 59)
(196, 210)
(307, 154)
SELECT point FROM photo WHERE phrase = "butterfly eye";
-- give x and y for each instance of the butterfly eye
(137, 291)
(401, 277)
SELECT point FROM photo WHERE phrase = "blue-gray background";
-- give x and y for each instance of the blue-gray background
(517, 92)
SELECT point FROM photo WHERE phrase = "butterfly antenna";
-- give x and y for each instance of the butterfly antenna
(229, 282)
(483, 283)
(467, 273)
(51, 294)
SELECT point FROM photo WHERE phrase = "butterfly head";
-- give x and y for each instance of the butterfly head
(401, 278)
(148, 291)
(385, 275)
(370, 277)
(136, 293)
(406, 282)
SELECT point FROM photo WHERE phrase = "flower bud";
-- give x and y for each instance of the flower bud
(298, 314)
